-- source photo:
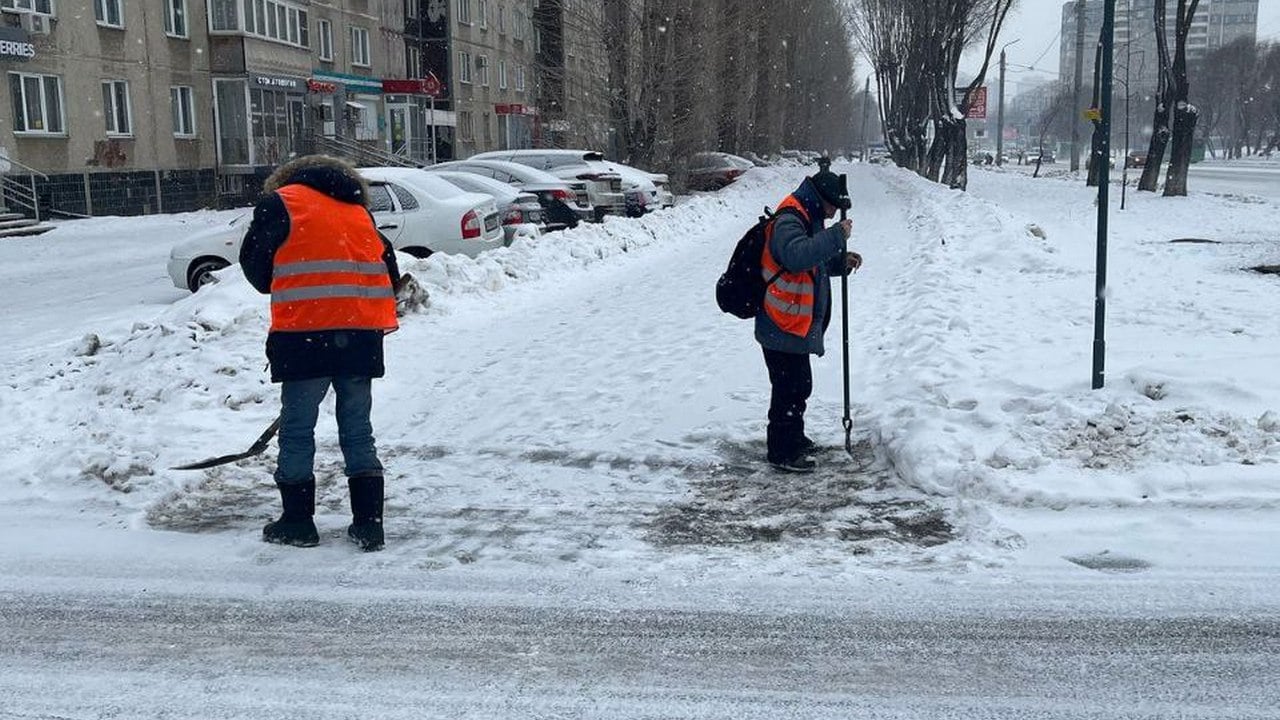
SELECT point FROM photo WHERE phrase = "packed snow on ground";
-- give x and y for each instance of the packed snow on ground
(578, 403)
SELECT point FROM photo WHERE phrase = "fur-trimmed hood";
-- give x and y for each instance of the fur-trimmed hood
(331, 176)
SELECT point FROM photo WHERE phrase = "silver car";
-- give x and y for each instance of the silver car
(604, 186)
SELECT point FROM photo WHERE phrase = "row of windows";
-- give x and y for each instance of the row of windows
(39, 108)
(110, 13)
(519, 19)
(466, 77)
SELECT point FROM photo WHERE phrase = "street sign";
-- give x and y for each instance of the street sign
(431, 85)
(978, 104)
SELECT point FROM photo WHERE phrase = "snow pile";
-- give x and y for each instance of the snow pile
(979, 389)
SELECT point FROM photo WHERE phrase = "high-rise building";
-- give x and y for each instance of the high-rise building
(1216, 24)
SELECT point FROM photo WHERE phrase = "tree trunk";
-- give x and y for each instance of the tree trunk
(1184, 128)
(1184, 113)
(956, 175)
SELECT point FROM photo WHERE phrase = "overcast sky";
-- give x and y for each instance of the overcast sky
(1036, 23)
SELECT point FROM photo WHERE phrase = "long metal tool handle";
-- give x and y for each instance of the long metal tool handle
(257, 448)
(844, 317)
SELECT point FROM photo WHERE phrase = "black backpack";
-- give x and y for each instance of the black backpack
(740, 290)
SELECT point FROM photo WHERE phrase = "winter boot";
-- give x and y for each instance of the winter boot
(295, 526)
(799, 464)
(366, 512)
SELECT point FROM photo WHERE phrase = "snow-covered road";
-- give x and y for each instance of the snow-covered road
(572, 433)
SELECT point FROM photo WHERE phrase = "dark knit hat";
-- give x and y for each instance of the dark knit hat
(829, 186)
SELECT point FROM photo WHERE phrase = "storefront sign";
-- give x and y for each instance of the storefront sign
(320, 86)
(15, 44)
(284, 83)
(514, 109)
(425, 86)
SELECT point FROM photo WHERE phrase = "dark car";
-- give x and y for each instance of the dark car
(714, 170)
(1135, 159)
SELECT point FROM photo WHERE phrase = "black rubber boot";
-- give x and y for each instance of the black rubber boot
(366, 512)
(295, 526)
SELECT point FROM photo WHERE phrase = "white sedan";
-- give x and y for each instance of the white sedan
(420, 215)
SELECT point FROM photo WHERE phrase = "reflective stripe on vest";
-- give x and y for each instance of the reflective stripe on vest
(329, 273)
(789, 299)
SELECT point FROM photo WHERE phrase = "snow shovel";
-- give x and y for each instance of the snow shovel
(256, 448)
(844, 316)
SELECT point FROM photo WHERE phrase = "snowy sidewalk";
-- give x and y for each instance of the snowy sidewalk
(580, 401)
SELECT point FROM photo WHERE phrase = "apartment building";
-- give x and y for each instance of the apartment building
(1215, 24)
(573, 74)
(108, 105)
(288, 73)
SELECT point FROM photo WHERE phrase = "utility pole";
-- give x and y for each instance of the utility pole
(1000, 115)
(1100, 287)
(866, 103)
(1000, 109)
(1079, 83)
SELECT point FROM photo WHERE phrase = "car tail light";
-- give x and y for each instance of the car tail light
(513, 216)
(470, 225)
(733, 174)
(563, 195)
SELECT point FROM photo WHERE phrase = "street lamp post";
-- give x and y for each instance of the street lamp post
(1100, 286)
(1000, 110)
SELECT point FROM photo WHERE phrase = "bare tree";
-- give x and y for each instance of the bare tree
(1160, 131)
(1051, 121)
(1184, 113)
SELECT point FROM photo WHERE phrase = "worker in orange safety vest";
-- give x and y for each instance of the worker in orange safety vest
(800, 256)
(314, 247)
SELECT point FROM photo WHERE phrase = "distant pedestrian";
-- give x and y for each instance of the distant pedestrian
(797, 306)
(313, 245)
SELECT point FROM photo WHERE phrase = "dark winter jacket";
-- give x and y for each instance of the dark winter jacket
(798, 246)
(306, 355)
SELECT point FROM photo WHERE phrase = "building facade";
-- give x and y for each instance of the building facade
(288, 75)
(573, 74)
(1216, 24)
(166, 105)
(108, 105)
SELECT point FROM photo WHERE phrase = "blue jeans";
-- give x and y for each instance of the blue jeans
(300, 408)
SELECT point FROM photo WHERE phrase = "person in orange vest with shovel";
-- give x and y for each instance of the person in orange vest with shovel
(314, 247)
(799, 258)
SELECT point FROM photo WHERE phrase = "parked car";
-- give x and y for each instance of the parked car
(521, 212)
(645, 191)
(605, 193)
(754, 159)
(715, 170)
(560, 198)
(1135, 159)
(419, 214)
(1046, 158)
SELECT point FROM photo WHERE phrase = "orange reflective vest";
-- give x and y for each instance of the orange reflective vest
(329, 273)
(789, 299)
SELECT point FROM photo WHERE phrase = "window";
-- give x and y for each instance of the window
(41, 7)
(483, 66)
(488, 132)
(406, 198)
(464, 68)
(223, 15)
(483, 7)
(182, 107)
(380, 199)
(115, 107)
(464, 12)
(37, 103)
(502, 74)
(359, 46)
(324, 35)
(107, 12)
(275, 20)
(466, 125)
(411, 9)
(413, 61)
(520, 78)
(502, 18)
(233, 121)
(175, 18)
(517, 24)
